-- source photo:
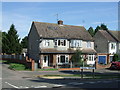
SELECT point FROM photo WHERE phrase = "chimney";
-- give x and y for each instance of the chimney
(60, 22)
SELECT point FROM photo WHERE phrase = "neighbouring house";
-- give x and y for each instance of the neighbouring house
(116, 35)
(106, 45)
(52, 44)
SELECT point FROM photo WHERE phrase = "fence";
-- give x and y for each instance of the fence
(28, 62)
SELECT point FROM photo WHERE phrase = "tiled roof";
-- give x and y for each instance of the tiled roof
(116, 34)
(87, 51)
(107, 35)
(51, 30)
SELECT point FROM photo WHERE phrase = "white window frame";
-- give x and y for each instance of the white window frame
(89, 44)
(90, 56)
(76, 43)
(59, 61)
(64, 41)
(46, 43)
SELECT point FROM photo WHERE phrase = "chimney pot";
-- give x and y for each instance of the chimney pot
(60, 22)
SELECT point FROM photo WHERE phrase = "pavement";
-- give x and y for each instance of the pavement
(28, 79)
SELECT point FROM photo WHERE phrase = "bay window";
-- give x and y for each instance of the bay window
(62, 59)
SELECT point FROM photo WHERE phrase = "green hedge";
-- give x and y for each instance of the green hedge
(17, 66)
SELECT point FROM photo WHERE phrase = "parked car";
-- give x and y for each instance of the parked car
(115, 65)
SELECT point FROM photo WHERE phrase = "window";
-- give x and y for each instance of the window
(76, 43)
(113, 45)
(62, 59)
(55, 42)
(88, 44)
(47, 43)
(60, 42)
(90, 57)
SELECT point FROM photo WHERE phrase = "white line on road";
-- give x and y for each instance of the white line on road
(23, 87)
(40, 87)
(11, 85)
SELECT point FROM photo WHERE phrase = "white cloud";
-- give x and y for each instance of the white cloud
(106, 22)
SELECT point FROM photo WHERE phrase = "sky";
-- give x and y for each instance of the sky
(86, 14)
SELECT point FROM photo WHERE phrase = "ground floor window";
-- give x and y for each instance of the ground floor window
(90, 57)
(62, 59)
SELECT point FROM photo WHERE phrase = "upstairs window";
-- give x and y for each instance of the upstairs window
(113, 45)
(60, 42)
(76, 43)
(47, 43)
(88, 44)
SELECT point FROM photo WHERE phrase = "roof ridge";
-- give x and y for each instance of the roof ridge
(56, 24)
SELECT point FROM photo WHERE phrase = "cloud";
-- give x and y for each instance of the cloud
(106, 22)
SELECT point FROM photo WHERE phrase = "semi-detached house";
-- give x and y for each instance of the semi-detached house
(53, 44)
(107, 43)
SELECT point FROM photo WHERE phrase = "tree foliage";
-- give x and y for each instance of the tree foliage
(77, 57)
(11, 41)
(24, 42)
(101, 27)
(115, 57)
(91, 31)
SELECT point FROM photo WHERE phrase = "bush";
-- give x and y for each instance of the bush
(17, 66)
(115, 57)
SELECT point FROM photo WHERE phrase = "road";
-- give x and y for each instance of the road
(20, 80)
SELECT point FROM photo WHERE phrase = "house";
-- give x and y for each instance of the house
(116, 35)
(51, 44)
(106, 45)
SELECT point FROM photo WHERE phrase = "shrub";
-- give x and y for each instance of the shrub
(115, 57)
(17, 66)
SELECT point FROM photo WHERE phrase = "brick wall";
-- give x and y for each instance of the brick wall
(28, 62)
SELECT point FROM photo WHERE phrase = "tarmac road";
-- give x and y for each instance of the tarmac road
(26, 79)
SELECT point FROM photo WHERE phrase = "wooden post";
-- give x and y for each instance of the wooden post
(33, 67)
(81, 73)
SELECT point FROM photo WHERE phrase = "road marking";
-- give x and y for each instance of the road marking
(39, 86)
(11, 85)
(23, 87)
(59, 85)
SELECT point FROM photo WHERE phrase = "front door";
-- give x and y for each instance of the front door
(45, 61)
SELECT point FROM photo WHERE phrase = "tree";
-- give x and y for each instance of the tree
(5, 42)
(115, 57)
(13, 41)
(97, 28)
(77, 58)
(91, 31)
(103, 27)
(24, 42)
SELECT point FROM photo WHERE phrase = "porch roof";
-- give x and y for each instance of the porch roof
(69, 51)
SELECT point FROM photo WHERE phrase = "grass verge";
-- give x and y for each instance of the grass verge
(52, 69)
(84, 76)
(16, 66)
